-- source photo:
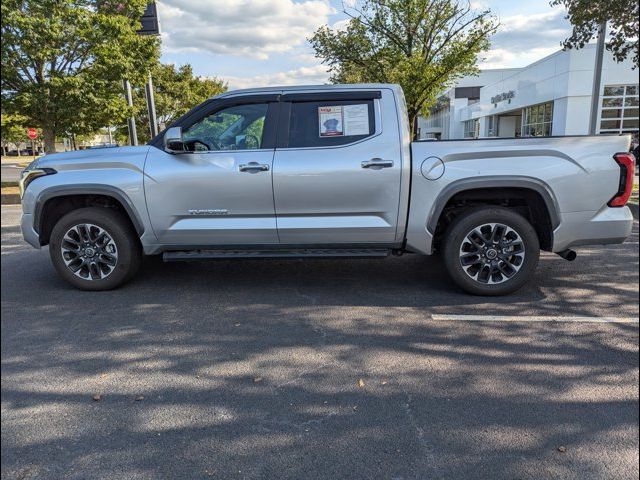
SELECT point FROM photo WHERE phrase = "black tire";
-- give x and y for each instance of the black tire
(510, 269)
(125, 246)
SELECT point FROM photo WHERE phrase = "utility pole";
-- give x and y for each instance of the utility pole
(597, 79)
(151, 107)
(131, 121)
(150, 25)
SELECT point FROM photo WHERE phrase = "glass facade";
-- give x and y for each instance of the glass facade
(537, 120)
(492, 126)
(619, 109)
(470, 129)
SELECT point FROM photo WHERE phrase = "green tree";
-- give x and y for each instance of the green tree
(586, 16)
(423, 45)
(63, 62)
(176, 91)
(14, 130)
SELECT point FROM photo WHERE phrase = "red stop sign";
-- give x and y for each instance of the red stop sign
(32, 133)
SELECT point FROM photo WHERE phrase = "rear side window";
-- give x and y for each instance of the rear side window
(330, 123)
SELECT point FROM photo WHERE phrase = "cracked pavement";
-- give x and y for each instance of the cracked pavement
(251, 370)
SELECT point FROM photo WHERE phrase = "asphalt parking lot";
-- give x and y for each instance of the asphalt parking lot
(356, 369)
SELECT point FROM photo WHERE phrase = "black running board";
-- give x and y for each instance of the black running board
(182, 256)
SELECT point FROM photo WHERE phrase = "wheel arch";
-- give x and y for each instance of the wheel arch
(544, 214)
(54, 202)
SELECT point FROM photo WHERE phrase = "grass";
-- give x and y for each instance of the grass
(634, 194)
(23, 160)
(10, 190)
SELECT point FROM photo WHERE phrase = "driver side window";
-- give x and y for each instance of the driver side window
(239, 127)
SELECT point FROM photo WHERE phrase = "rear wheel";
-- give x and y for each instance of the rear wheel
(491, 251)
(94, 249)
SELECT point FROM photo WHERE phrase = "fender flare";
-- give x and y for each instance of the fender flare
(87, 189)
(465, 184)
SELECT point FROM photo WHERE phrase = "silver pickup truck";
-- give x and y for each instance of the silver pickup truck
(325, 171)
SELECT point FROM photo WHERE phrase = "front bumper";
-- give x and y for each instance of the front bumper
(606, 226)
(28, 232)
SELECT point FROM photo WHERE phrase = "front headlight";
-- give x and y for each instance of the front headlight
(29, 176)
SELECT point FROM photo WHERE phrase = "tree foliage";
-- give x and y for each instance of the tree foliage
(63, 62)
(176, 91)
(14, 129)
(423, 45)
(586, 16)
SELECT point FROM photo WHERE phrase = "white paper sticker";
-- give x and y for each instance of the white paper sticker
(330, 121)
(356, 119)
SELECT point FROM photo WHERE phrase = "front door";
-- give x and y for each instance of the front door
(336, 177)
(219, 192)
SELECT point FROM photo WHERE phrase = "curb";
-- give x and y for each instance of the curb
(10, 199)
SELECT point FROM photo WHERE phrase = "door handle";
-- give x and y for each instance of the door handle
(253, 167)
(377, 163)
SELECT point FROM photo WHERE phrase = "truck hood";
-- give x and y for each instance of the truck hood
(96, 156)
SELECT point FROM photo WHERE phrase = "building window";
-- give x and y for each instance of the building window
(619, 109)
(537, 120)
(470, 129)
(492, 126)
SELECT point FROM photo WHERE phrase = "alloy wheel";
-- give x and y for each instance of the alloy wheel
(89, 251)
(492, 253)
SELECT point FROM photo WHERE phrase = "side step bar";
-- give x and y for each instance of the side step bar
(180, 256)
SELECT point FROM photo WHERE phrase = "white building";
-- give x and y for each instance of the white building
(549, 97)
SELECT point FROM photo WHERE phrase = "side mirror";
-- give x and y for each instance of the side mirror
(173, 140)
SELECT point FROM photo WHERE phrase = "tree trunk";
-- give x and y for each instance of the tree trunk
(413, 124)
(49, 140)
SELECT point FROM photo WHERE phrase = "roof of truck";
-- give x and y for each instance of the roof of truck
(299, 88)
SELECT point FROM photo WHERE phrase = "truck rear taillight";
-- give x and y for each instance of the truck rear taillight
(627, 163)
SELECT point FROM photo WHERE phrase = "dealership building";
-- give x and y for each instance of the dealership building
(549, 97)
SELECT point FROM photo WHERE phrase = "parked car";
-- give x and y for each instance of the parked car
(326, 171)
(102, 145)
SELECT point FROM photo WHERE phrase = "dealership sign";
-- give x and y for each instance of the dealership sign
(503, 96)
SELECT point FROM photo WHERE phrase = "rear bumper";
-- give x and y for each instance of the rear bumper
(608, 225)
(29, 234)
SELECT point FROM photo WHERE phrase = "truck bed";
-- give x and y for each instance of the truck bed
(562, 169)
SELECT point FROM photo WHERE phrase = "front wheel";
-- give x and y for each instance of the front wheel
(491, 251)
(94, 248)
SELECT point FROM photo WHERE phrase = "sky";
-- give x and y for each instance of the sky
(251, 43)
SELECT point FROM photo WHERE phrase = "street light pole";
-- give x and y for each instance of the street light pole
(151, 107)
(131, 121)
(597, 79)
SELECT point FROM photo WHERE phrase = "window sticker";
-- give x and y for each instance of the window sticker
(356, 119)
(330, 121)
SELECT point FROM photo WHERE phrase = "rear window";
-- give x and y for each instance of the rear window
(330, 123)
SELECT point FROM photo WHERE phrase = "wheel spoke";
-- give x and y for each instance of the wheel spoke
(107, 259)
(472, 237)
(70, 244)
(76, 264)
(102, 239)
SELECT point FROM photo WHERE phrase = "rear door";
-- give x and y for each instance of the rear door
(219, 192)
(336, 170)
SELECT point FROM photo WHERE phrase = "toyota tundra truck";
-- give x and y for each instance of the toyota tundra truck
(325, 171)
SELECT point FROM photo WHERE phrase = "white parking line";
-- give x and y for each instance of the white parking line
(532, 318)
